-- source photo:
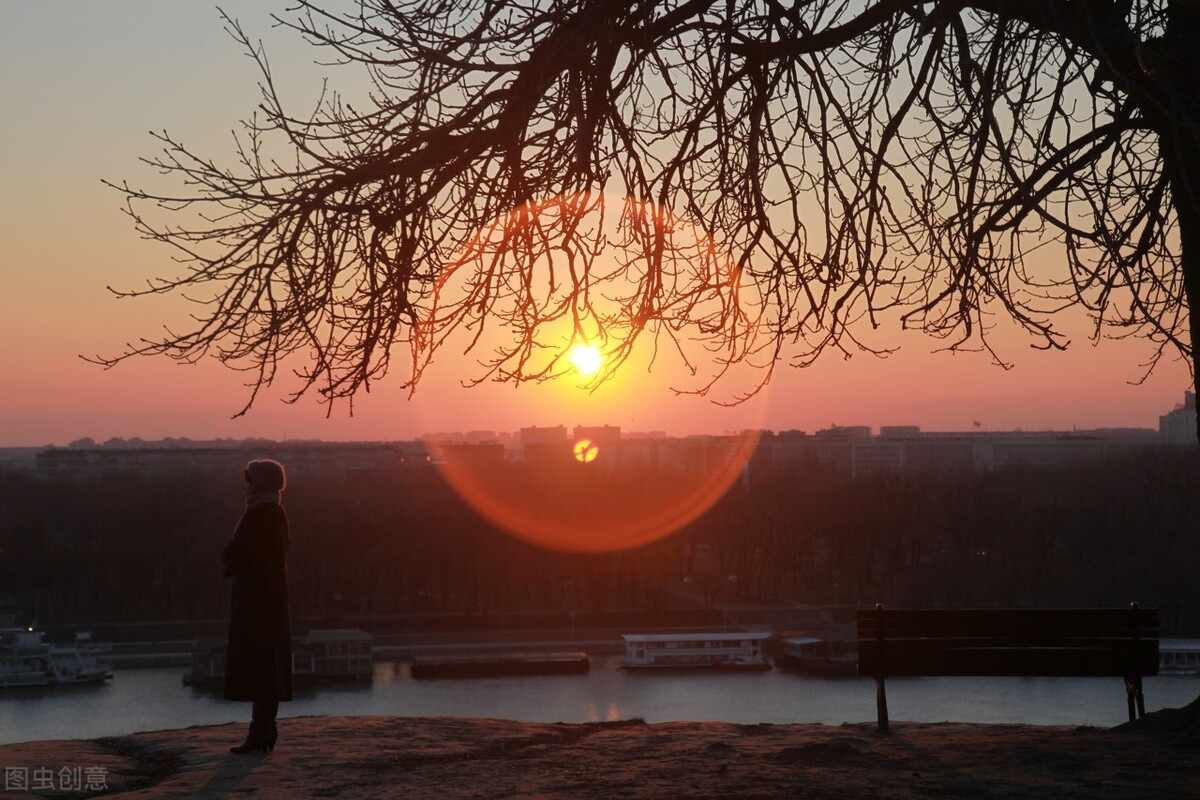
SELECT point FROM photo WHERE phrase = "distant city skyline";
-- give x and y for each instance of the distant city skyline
(470, 459)
(1176, 424)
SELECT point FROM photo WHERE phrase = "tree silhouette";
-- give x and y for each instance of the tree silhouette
(788, 177)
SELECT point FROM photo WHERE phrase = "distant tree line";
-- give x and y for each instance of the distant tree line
(116, 546)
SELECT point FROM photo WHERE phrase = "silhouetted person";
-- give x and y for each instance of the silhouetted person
(258, 664)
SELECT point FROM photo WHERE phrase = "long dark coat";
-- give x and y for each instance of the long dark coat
(258, 663)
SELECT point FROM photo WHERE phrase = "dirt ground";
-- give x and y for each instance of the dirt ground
(451, 758)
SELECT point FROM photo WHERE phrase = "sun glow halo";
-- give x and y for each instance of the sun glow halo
(576, 495)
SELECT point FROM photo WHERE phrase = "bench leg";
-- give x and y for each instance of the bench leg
(881, 705)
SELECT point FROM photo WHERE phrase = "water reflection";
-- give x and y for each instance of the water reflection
(611, 713)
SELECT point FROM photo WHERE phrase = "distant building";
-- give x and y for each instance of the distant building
(644, 435)
(844, 432)
(941, 453)
(472, 455)
(19, 458)
(603, 435)
(1049, 449)
(1179, 425)
(852, 450)
(896, 431)
(538, 435)
(876, 456)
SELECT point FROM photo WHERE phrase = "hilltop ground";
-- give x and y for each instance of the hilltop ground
(450, 758)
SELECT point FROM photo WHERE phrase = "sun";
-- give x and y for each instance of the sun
(585, 358)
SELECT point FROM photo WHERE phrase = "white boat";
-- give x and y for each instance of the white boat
(26, 659)
(1179, 656)
(738, 650)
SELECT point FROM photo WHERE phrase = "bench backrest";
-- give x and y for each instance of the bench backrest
(1092, 642)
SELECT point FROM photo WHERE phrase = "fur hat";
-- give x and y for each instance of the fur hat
(265, 475)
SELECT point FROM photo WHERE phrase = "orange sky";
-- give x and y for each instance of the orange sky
(80, 91)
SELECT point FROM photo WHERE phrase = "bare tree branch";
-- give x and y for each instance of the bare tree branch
(741, 183)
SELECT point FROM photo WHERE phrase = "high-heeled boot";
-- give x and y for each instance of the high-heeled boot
(263, 733)
(261, 739)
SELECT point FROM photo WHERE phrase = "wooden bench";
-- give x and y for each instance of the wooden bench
(1091, 642)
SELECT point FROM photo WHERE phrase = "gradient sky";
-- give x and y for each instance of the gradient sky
(81, 85)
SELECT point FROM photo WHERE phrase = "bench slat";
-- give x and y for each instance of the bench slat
(974, 622)
(925, 657)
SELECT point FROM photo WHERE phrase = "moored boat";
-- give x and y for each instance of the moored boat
(340, 654)
(738, 650)
(1179, 656)
(26, 659)
(23, 660)
(819, 656)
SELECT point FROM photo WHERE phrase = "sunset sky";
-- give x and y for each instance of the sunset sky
(83, 83)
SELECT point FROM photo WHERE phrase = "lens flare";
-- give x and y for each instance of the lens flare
(565, 497)
(586, 451)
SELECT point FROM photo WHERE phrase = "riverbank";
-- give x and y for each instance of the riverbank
(450, 758)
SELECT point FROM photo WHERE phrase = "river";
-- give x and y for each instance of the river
(155, 699)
